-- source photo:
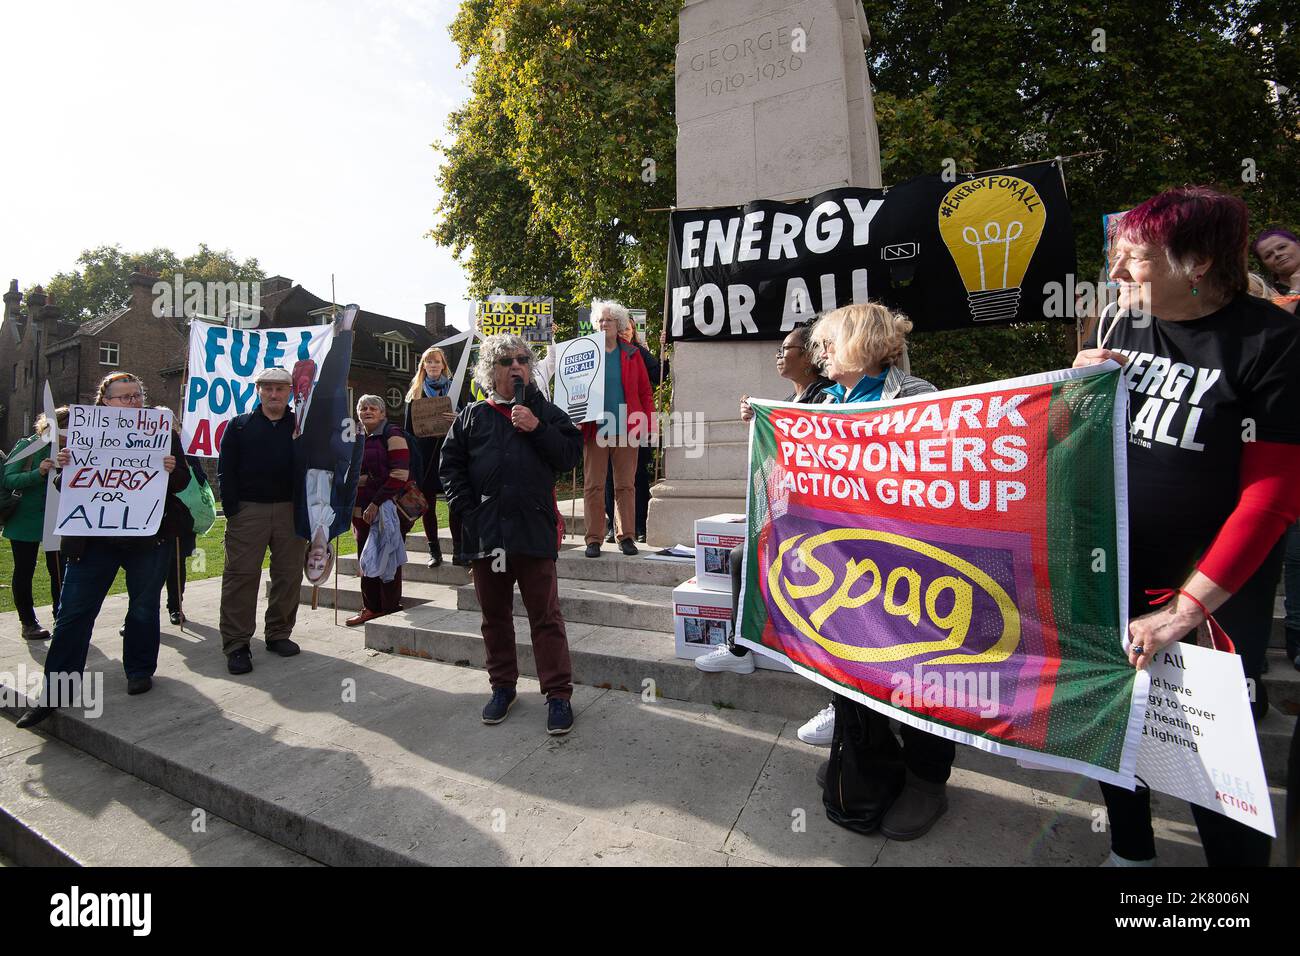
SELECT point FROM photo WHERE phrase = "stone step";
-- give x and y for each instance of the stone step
(399, 769)
(626, 659)
(611, 566)
(643, 606)
(62, 807)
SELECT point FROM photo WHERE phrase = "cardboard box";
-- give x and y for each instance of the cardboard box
(702, 622)
(701, 619)
(715, 536)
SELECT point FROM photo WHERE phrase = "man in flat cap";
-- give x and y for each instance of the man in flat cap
(256, 472)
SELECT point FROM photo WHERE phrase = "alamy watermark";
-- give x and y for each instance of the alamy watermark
(975, 690)
(235, 303)
(80, 691)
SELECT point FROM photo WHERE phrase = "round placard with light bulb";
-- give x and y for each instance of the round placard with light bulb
(991, 226)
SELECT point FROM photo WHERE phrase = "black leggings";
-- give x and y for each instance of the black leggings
(25, 569)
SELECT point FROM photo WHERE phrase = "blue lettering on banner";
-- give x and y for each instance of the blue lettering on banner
(244, 363)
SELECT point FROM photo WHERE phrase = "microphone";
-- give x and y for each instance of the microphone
(519, 391)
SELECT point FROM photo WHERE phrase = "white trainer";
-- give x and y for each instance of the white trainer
(820, 729)
(721, 659)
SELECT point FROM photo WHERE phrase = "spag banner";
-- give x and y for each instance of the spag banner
(957, 561)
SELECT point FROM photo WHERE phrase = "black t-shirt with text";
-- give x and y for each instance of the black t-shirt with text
(1198, 391)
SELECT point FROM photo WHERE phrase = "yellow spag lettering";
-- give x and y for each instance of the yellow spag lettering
(911, 608)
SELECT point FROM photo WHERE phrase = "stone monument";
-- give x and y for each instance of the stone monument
(773, 102)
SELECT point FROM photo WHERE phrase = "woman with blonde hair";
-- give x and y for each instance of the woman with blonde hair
(432, 380)
(861, 348)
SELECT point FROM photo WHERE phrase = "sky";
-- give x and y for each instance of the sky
(297, 133)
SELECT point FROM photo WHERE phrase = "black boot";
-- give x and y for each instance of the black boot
(435, 553)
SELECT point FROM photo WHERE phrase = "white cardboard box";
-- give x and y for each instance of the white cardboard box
(715, 536)
(701, 619)
(702, 623)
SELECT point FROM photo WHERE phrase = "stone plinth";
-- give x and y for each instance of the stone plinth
(773, 102)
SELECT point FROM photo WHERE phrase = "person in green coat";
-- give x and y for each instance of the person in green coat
(25, 526)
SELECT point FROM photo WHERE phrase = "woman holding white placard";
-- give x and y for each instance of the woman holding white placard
(93, 563)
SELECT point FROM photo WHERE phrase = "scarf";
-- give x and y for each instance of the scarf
(867, 390)
(436, 387)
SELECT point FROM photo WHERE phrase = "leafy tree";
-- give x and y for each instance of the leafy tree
(546, 184)
(98, 284)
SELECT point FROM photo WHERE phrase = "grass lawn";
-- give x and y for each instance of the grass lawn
(207, 562)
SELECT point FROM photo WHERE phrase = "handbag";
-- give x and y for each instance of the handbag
(410, 502)
(865, 771)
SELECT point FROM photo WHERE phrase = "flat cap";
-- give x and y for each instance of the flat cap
(269, 376)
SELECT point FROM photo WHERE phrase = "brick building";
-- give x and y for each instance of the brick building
(37, 343)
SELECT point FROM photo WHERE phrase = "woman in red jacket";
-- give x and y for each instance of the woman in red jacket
(629, 406)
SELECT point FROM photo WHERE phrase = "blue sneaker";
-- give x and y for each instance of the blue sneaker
(503, 699)
(559, 716)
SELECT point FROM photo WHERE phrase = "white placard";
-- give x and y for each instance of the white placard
(223, 364)
(580, 377)
(116, 482)
(1198, 740)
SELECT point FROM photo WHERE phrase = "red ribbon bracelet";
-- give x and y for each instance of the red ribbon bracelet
(1218, 636)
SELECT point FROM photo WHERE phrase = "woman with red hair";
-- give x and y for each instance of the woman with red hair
(1214, 447)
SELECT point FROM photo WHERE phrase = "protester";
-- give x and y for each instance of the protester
(861, 349)
(432, 380)
(500, 463)
(255, 469)
(1279, 252)
(93, 564)
(25, 479)
(385, 468)
(629, 406)
(1206, 508)
(794, 362)
(185, 545)
(645, 451)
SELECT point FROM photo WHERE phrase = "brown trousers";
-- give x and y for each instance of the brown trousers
(595, 464)
(539, 588)
(254, 528)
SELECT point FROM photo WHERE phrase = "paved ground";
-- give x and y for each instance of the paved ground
(393, 747)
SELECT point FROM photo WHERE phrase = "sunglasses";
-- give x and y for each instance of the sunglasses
(507, 360)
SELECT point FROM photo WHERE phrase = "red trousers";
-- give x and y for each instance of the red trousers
(539, 588)
(375, 594)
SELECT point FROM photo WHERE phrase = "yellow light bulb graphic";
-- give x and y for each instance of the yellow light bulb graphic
(991, 226)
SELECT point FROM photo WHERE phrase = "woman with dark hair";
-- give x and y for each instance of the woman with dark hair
(24, 475)
(794, 363)
(432, 380)
(93, 563)
(1214, 447)
(1279, 252)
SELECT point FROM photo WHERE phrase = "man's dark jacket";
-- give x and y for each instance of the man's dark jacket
(500, 482)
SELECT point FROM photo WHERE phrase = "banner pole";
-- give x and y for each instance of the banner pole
(180, 586)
